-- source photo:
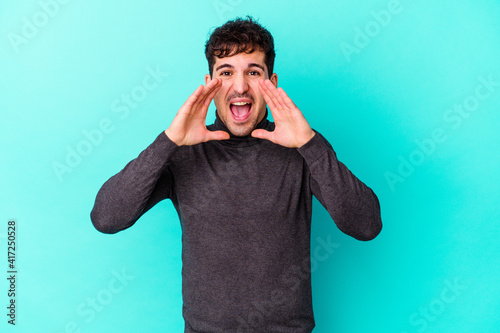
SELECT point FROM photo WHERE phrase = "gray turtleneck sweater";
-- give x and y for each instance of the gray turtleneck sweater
(244, 206)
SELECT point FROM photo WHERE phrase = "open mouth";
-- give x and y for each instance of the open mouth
(240, 110)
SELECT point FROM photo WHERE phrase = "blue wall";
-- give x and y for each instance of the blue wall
(407, 92)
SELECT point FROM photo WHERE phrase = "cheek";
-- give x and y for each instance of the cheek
(260, 99)
(221, 95)
(219, 99)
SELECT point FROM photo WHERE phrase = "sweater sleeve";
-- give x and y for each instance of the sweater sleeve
(130, 193)
(352, 205)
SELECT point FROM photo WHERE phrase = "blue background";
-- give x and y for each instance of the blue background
(374, 77)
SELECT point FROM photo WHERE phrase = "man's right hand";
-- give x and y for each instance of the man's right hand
(188, 127)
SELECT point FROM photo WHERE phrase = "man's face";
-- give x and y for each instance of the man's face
(239, 103)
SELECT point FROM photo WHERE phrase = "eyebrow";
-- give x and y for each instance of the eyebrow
(249, 65)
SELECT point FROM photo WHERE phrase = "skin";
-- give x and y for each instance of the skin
(240, 76)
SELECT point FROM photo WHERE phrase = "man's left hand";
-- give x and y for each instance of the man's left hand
(292, 129)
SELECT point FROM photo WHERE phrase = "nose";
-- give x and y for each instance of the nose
(240, 84)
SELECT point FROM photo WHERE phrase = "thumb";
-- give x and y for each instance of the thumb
(262, 134)
(216, 135)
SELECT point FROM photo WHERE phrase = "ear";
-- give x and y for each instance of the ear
(207, 79)
(274, 79)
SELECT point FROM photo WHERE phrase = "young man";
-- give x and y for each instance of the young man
(242, 188)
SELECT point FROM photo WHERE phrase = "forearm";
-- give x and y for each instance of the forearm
(353, 206)
(128, 194)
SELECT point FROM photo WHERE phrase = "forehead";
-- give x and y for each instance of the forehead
(241, 60)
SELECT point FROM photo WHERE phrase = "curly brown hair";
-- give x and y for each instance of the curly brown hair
(240, 35)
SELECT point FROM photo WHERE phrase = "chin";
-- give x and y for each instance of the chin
(241, 130)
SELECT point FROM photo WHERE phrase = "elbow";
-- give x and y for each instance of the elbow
(374, 226)
(102, 223)
(371, 232)
(361, 230)
(361, 224)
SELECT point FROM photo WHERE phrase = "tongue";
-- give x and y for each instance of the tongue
(240, 110)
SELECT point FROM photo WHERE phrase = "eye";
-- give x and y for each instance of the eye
(225, 73)
(254, 73)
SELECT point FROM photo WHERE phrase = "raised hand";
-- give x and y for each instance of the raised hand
(188, 126)
(292, 129)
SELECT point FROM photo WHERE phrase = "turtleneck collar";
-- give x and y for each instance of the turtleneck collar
(240, 141)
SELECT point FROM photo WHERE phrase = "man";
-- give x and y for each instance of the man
(242, 188)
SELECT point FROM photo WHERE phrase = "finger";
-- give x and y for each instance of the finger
(211, 96)
(216, 135)
(201, 104)
(274, 105)
(215, 84)
(275, 96)
(194, 96)
(203, 109)
(267, 97)
(202, 90)
(262, 134)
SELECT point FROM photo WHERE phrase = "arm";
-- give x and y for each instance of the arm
(147, 180)
(352, 205)
(143, 182)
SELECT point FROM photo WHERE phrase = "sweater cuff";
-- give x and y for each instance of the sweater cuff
(314, 149)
